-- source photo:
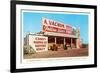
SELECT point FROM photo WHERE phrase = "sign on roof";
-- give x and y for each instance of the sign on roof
(54, 26)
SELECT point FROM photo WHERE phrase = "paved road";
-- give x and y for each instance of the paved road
(59, 53)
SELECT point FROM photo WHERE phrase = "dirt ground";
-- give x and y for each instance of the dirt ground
(59, 53)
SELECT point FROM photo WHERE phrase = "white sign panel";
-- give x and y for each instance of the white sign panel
(38, 43)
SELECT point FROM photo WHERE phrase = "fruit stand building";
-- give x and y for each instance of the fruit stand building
(58, 33)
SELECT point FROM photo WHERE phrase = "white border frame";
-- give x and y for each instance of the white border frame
(71, 60)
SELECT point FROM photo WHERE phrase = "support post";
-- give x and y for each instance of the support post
(71, 42)
(55, 40)
(64, 41)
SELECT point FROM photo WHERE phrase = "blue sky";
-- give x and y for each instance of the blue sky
(32, 22)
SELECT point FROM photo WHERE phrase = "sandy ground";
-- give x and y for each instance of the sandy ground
(59, 53)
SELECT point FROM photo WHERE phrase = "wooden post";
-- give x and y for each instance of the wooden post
(64, 41)
(55, 40)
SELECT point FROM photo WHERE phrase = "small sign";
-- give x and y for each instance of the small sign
(38, 43)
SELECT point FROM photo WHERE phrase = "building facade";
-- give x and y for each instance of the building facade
(57, 33)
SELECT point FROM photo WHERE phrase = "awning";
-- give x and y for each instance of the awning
(59, 35)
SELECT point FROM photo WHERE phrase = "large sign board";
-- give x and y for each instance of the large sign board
(38, 43)
(56, 27)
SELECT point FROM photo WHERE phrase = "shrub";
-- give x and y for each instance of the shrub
(51, 48)
(84, 46)
(55, 48)
(29, 50)
(65, 47)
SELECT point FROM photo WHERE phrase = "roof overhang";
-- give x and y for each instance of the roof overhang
(59, 35)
